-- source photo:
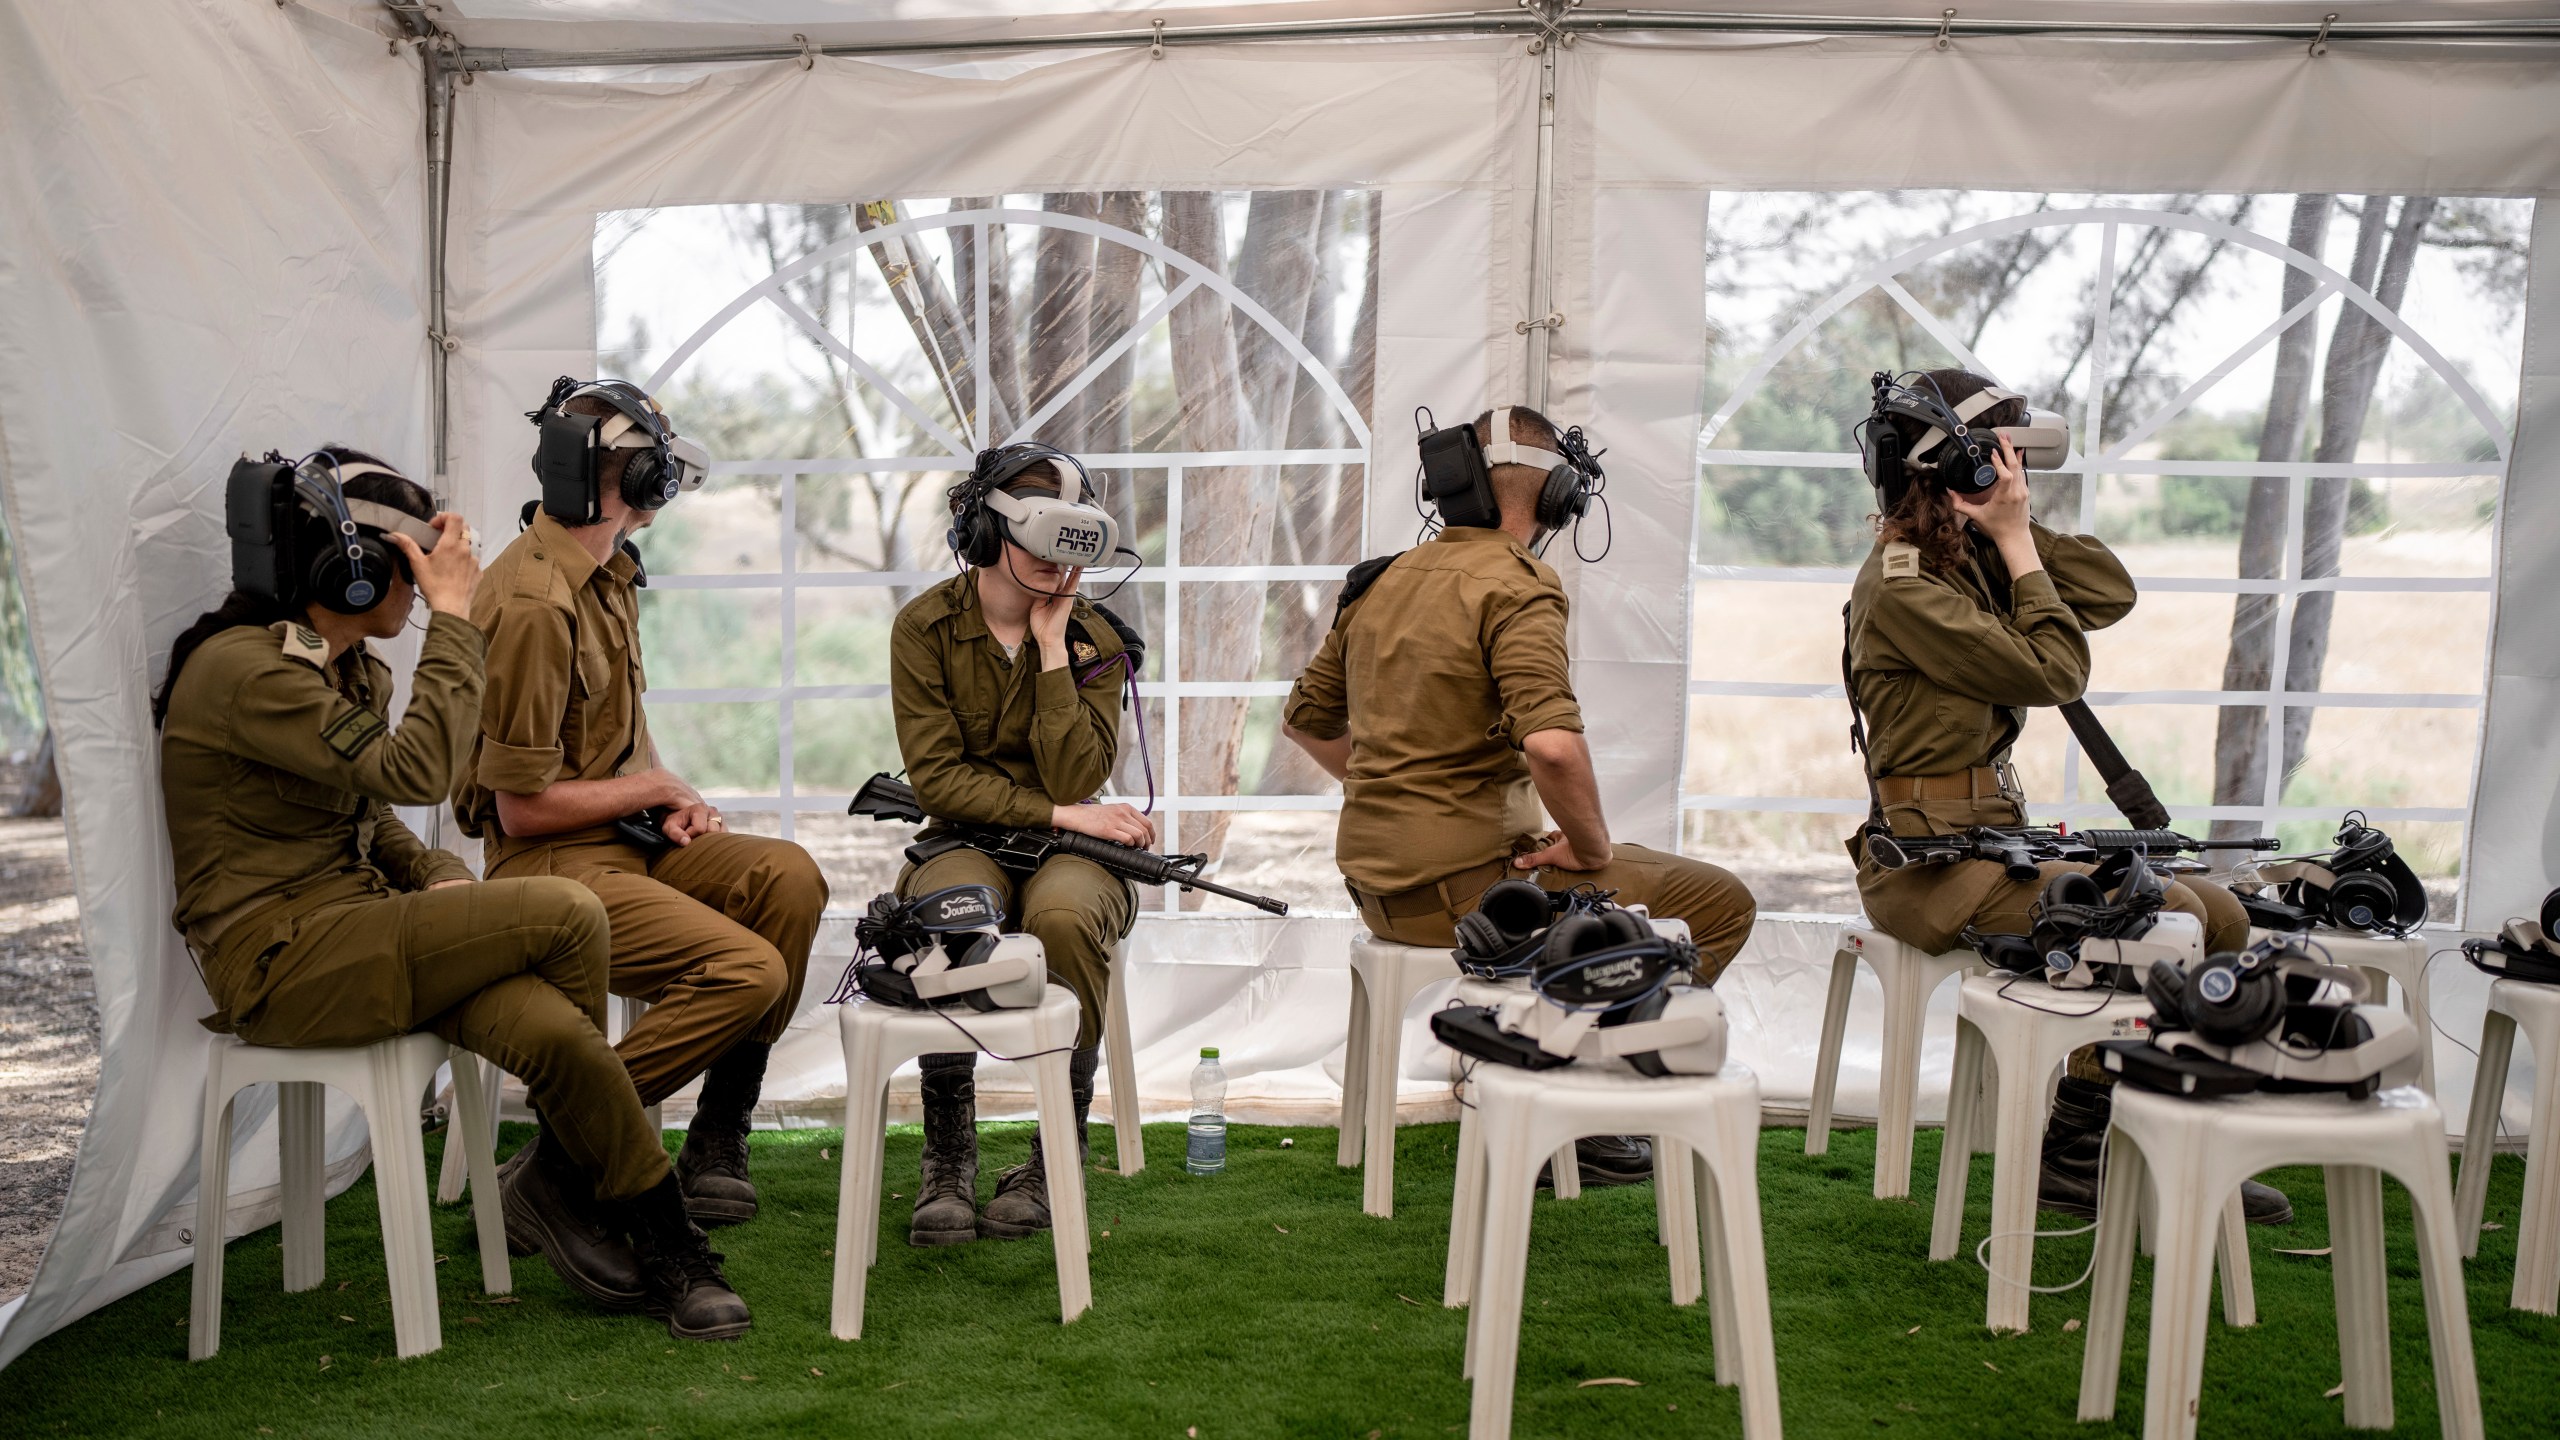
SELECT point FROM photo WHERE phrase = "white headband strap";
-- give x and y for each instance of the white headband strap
(1965, 409)
(1506, 451)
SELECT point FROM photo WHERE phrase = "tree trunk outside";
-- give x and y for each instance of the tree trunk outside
(2240, 732)
(41, 797)
(1061, 339)
(941, 330)
(2357, 348)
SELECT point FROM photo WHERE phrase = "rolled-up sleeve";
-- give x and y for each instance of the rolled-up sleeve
(532, 654)
(1532, 672)
(1319, 703)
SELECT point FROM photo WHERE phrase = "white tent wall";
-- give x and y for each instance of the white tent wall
(210, 240)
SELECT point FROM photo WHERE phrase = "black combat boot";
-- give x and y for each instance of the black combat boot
(1605, 1160)
(2264, 1204)
(551, 1210)
(1021, 1204)
(2073, 1138)
(712, 1166)
(947, 1185)
(681, 1282)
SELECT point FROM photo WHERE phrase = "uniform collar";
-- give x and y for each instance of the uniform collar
(571, 558)
(1480, 535)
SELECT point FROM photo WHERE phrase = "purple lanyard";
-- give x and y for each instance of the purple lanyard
(1128, 664)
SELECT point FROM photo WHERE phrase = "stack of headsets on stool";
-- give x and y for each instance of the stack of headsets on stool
(2360, 884)
(2524, 949)
(1502, 938)
(2100, 930)
(946, 947)
(1603, 985)
(2271, 1017)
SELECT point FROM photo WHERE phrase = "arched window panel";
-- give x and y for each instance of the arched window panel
(2290, 417)
(1208, 353)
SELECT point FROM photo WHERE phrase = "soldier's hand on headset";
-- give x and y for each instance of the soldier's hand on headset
(446, 576)
(1120, 824)
(2001, 511)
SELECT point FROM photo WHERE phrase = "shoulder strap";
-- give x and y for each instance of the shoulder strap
(1858, 728)
(2131, 793)
(1357, 583)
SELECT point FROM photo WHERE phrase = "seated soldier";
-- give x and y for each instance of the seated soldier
(1443, 701)
(317, 918)
(712, 929)
(1008, 690)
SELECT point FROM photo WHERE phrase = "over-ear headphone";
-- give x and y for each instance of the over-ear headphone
(2366, 886)
(1963, 463)
(569, 457)
(1457, 472)
(265, 506)
(1493, 938)
(1590, 960)
(2230, 999)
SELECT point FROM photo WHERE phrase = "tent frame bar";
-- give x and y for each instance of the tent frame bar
(1572, 23)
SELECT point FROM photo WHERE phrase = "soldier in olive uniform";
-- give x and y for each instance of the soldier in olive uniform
(1008, 689)
(318, 918)
(711, 928)
(1965, 614)
(1443, 700)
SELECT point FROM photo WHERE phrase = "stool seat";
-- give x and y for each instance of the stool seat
(1708, 1131)
(2189, 1157)
(385, 1080)
(1910, 976)
(2384, 958)
(2013, 1034)
(878, 1038)
(2534, 1008)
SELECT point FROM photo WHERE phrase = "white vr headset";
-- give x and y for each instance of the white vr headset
(945, 948)
(1062, 529)
(1686, 1036)
(2043, 443)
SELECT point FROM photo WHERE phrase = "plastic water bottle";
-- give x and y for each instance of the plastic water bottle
(1208, 1151)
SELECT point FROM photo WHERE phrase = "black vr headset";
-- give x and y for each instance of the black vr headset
(1605, 985)
(2265, 1018)
(2362, 885)
(1950, 451)
(569, 458)
(2524, 949)
(2102, 929)
(1457, 472)
(947, 947)
(297, 538)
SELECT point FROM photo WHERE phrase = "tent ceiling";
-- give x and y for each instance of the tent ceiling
(585, 27)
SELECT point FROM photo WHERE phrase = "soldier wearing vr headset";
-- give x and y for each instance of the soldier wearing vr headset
(315, 915)
(1966, 613)
(1008, 688)
(1443, 700)
(711, 928)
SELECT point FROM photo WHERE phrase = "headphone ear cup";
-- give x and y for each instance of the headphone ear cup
(1514, 908)
(1573, 935)
(985, 537)
(644, 484)
(1561, 501)
(1622, 927)
(2165, 986)
(2228, 1005)
(2363, 900)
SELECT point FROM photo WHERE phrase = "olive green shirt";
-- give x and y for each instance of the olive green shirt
(1946, 670)
(564, 678)
(989, 741)
(278, 771)
(1450, 659)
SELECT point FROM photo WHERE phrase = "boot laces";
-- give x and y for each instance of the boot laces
(723, 1151)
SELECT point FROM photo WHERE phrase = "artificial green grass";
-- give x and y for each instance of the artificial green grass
(1257, 1302)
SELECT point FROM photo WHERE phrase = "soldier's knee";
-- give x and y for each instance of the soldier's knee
(794, 879)
(573, 912)
(763, 974)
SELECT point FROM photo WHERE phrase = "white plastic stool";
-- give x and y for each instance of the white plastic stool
(1385, 976)
(2193, 1154)
(2381, 958)
(2020, 1041)
(1910, 977)
(1708, 1128)
(877, 1040)
(2536, 1008)
(621, 1013)
(385, 1080)
(1120, 1054)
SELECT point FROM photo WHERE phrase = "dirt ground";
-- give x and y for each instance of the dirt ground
(48, 1039)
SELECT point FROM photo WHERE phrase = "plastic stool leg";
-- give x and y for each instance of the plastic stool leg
(1567, 1172)
(1466, 1213)
(2357, 1277)
(1745, 1266)
(390, 1101)
(1899, 1083)
(2231, 1260)
(1355, 1074)
(2448, 1315)
(2016, 1166)
(857, 1190)
(471, 1133)
(1708, 1204)
(454, 1168)
(2181, 1292)
(1826, 1065)
(1065, 1165)
(2537, 1284)
(1129, 1140)
(1494, 1319)
(879, 1170)
(1957, 1142)
(1378, 1122)
(2480, 1132)
(2111, 1280)
(1675, 1207)
(2414, 996)
(301, 1110)
(213, 1189)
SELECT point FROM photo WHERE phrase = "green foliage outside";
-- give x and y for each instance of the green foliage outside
(1260, 1302)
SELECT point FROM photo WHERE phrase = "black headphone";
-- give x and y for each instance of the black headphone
(570, 454)
(2374, 890)
(1506, 932)
(1611, 960)
(1457, 472)
(977, 532)
(2231, 999)
(1964, 461)
(271, 508)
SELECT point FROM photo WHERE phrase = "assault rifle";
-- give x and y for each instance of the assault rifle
(1021, 849)
(2019, 851)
